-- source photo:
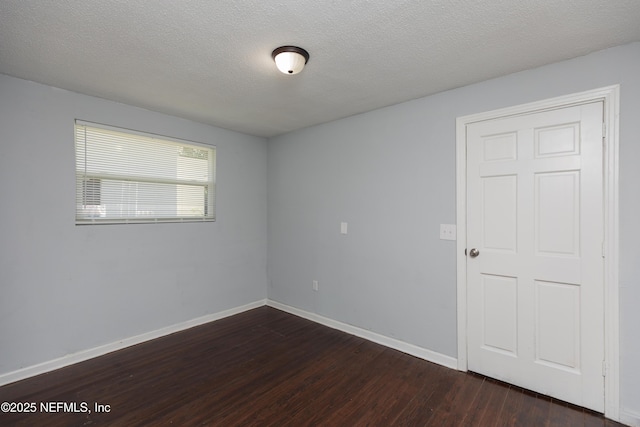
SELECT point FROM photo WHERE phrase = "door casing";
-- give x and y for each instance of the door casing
(610, 96)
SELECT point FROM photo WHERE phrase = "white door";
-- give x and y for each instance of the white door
(535, 217)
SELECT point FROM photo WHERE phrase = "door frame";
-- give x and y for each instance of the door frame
(610, 96)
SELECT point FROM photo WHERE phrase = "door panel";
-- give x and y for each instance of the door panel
(534, 211)
(557, 325)
(500, 209)
(500, 313)
(557, 213)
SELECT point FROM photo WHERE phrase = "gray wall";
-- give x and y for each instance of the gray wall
(66, 288)
(390, 174)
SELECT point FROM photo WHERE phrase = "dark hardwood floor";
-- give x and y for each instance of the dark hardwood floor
(265, 367)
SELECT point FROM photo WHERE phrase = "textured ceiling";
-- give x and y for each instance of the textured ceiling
(210, 61)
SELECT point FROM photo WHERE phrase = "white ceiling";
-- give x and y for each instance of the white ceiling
(210, 60)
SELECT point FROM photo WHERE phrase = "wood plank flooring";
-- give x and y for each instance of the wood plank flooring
(265, 367)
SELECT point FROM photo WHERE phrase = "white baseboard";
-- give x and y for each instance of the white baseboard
(414, 350)
(629, 418)
(83, 355)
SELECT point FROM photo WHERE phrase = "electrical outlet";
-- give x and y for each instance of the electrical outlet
(448, 231)
(315, 285)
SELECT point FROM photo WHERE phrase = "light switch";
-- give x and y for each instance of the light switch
(343, 228)
(447, 231)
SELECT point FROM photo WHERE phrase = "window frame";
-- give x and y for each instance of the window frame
(86, 182)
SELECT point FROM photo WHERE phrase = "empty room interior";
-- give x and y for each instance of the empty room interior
(428, 216)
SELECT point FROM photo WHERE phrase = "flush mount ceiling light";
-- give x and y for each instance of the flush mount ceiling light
(290, 59)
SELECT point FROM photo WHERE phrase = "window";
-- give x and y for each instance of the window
(124, 176)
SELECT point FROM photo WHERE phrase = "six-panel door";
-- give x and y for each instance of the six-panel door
(535, 214)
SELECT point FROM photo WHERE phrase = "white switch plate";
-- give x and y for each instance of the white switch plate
(343, 227)
(448, 231)
(315, 285)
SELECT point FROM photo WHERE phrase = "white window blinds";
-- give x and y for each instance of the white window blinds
(129, 177)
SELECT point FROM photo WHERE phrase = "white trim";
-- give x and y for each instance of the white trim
(83, 355)
(461, 242)
(413, 350)
(181, 141)
(610, 95)
(629, 418)
(612, 235)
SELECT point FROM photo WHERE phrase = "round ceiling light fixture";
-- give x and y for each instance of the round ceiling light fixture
(290, 59)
